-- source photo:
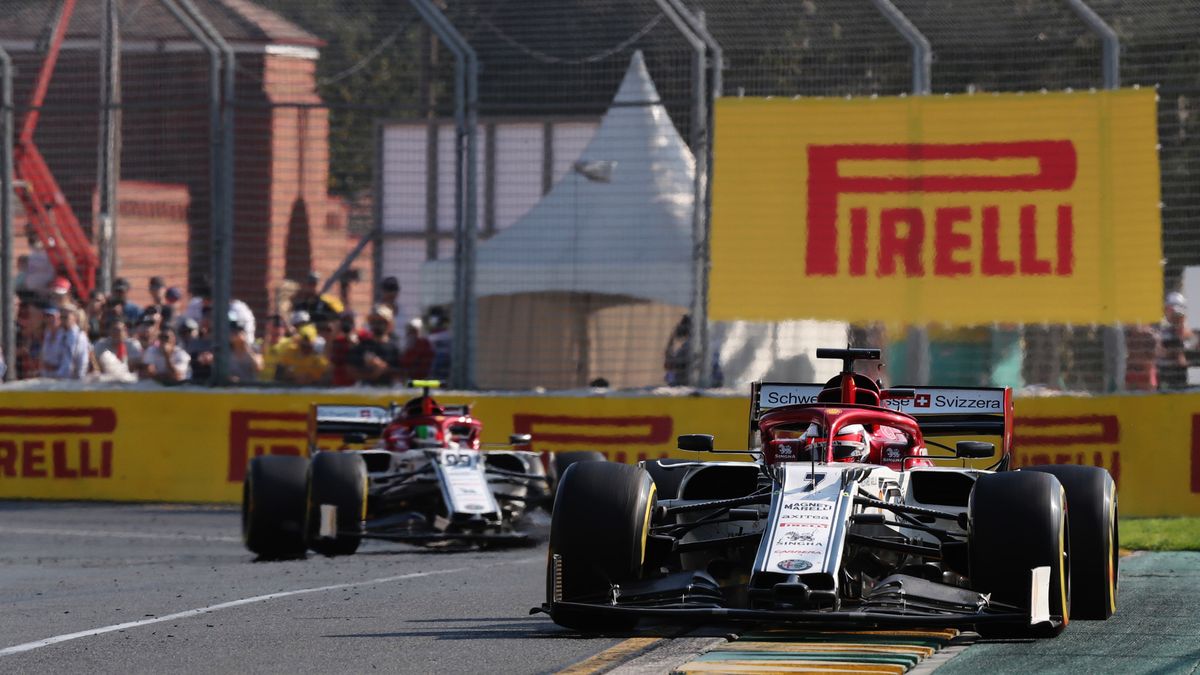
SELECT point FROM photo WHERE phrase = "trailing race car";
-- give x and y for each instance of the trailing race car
(844, 518)
(426, 479)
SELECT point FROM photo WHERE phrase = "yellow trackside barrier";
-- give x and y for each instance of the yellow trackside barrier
(193, 445)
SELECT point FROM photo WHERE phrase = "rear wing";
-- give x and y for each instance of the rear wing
(338, 420)
(939, 411)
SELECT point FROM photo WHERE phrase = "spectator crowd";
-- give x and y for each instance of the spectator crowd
(314, 340)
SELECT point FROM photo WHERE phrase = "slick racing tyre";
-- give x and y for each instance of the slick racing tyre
(273, 507)
(561, 461)
(1018, 521)
(598, 534)
(1095, 540)
(667, 478)
(338, 480)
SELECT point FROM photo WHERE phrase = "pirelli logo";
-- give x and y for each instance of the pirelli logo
(253, 433)
(957, 210)
(618, 437)
(57, 443)
(898, 236)
(1071, 439)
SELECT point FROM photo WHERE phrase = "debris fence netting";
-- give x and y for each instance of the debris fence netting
(517, 195)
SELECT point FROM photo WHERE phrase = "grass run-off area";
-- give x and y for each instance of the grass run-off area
(1160, 534)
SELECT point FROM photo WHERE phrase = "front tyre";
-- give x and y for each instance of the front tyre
(337, 480)
(1095, 540)
(598, 531)
(558, 464)
(273, 507)
(1018, 522)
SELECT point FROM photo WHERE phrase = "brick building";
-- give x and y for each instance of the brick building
(285, 221)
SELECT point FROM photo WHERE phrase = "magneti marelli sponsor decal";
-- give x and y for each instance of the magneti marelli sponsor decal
(801, 537)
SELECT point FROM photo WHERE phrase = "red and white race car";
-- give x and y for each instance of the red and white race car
(419, 474)
(849, 512)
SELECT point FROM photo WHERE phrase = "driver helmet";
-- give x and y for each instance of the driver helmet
(425, 432)
(851, 444)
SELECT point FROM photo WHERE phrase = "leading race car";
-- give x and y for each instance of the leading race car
(424, 478)
(844, 518)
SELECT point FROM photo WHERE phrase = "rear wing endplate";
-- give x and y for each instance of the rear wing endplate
(939, 411)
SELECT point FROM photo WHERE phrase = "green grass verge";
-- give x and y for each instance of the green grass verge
(1160, 534)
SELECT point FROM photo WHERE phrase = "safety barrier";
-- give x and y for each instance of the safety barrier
(193, 445)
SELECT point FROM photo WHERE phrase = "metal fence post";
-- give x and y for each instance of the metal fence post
(699, 371)
(1111, 57)
(715, 63)
(8, 328)
(922, 51)
(466, 100)
(221, 103)
(1116, 353)
(917, 337)
(108, 168)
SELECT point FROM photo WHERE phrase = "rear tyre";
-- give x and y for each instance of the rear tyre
(1095, 540)
(273, 507)
(1018, 521)
(667, 478)
(337, 479)
(599, 528)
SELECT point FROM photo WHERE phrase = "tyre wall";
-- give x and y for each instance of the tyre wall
(193, 445)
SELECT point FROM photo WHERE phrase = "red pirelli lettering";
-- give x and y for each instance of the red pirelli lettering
(1097, 430)
(633, 430)
(1101, 429)
(1056, 171)
(60, 421)
(253, 433)
(1195, 453)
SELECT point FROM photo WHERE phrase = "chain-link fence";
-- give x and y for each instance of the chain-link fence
(506, 195)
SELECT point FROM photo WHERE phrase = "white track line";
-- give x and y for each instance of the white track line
(105, 534)
(37, 644)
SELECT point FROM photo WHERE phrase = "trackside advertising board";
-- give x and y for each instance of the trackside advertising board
(193, 445)
(963, 210)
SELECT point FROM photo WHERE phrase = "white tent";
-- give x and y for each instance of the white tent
(591, 281)
(628, 235)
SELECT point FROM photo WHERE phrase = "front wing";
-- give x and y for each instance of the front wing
(898, 601)
(823, 618)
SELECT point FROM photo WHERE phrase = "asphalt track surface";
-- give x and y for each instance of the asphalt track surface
(69, 568)
(112, 588)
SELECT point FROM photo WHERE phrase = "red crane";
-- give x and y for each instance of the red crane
(49, 214)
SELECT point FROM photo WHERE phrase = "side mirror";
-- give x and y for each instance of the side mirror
(520, 439)
(974, 449)
(354, 438)
(696, 442)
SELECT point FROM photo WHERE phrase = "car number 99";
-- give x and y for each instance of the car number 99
(460, 460)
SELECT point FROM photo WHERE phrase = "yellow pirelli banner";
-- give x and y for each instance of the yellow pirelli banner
(193, 446)
(963, 210)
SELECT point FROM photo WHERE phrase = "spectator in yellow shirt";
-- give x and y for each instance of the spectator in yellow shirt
(300, 363)
(272, 346)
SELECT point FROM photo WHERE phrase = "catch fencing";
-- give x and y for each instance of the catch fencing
(534, 179)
